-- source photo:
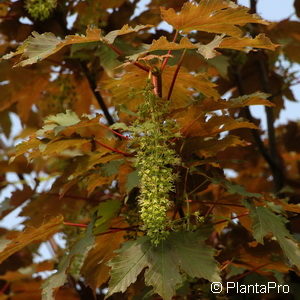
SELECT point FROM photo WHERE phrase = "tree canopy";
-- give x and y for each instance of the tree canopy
(139, 163)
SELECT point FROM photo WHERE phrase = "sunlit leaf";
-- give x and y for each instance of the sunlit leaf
(217, 16)
(13, 243)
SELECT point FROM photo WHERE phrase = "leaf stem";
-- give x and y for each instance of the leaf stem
(120, 53)
(115, 132)
(113, 149)
(4, 288)
(169, 52)
(232, 218)
(75, 224)
(176, 74)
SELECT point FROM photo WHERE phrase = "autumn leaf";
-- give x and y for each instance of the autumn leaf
(187, 85)
(12, 243)
(163, 44)
(236, 43)
(39, 46)
(217, 16)
(111, 36)
(95, 268)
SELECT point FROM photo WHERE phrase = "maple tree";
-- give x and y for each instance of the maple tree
(138, 131)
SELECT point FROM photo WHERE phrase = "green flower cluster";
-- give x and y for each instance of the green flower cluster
(154, 162)
(40, 9)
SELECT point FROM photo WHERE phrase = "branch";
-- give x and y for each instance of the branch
(277, 170)
(93, 86)
(253, 4)
(268, 156)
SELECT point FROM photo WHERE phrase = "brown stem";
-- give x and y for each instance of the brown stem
(175, 75)
(268, 156)
(253, 5)
(277, 171)
(157, 83)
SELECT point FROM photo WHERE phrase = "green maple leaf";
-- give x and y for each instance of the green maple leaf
(181, 253)
(105, 212)
(112, 167)
(266, 222)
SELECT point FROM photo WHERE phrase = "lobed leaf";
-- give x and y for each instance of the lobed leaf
(180, 252)
(236, 43)
(216, 16)
(40, 46)
(266, 222)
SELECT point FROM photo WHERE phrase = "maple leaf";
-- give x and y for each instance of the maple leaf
(15, 242)
(105, 212)
(186, 86)
(95, 268)
(163, 44)
(111, 36)
(266, 222)
(39, 46)
(236, 43)
(217, 16)
(184, 252)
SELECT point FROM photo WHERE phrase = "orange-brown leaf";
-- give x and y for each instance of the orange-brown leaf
(12, 243)
(215, 16)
